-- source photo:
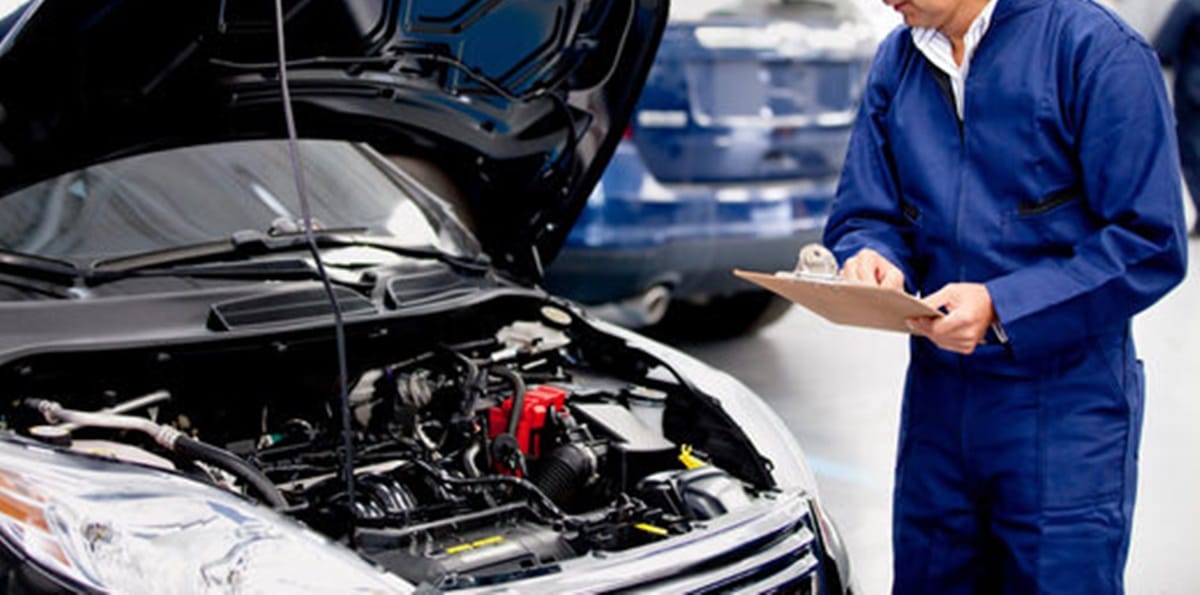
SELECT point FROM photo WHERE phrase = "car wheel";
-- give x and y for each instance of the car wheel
(720, 317)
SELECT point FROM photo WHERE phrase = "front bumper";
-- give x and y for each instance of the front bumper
(771, 546)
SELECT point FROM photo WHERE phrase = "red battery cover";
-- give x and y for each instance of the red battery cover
(539, 402)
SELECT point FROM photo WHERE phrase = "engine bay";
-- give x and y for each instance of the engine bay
(480, 457)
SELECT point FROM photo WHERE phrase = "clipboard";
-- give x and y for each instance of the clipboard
(845, 302)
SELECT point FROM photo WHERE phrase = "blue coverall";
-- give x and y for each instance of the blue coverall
(1060, 191)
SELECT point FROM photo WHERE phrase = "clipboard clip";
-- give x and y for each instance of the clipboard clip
(814, 263)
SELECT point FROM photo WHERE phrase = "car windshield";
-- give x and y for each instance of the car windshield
(700, 10)
(205, 193)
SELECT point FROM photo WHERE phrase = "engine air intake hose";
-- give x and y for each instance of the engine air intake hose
(564, 471)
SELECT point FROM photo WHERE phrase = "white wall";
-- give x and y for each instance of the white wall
(882, 17)
(1145, 15)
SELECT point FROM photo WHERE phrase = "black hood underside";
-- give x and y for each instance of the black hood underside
(520, 102)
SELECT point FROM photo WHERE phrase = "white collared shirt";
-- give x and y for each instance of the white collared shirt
(937, 48)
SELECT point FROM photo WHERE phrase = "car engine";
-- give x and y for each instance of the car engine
(475, 461)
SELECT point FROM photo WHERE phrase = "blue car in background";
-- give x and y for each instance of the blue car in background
(731, 160)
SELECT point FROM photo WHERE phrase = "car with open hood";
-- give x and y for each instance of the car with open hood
(269, 285)
(731, 160)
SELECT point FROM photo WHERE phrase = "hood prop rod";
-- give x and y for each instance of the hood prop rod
(347, 462)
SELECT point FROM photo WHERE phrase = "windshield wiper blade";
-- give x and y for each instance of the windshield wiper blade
(241, 244)
(250, 243)
(275, 269)
(63, 280)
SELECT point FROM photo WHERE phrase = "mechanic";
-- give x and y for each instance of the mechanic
(1015, 162)
(1178, 44)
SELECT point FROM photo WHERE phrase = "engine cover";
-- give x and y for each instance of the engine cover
(539, 402)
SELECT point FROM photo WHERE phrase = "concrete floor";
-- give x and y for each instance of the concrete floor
(838, 389)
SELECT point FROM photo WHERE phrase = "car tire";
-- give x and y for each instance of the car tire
(722, 317)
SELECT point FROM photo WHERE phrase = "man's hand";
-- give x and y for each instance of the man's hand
(969, 314)
(868, 266)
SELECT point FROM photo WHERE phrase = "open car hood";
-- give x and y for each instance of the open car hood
(520, 102)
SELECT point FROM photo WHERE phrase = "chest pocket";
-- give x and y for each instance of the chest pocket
(1051, 225)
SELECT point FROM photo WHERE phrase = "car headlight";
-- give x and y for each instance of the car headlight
(116, 527)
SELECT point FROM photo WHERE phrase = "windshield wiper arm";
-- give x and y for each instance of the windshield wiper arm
(40, 274)
(38, 267)
(56, 290)
(479, 264)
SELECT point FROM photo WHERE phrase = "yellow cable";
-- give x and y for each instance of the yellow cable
(651, 529)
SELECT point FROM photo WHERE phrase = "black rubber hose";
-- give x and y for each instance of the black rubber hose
(518, 406)
(517, 482)
(470, 388)
(230, 462)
